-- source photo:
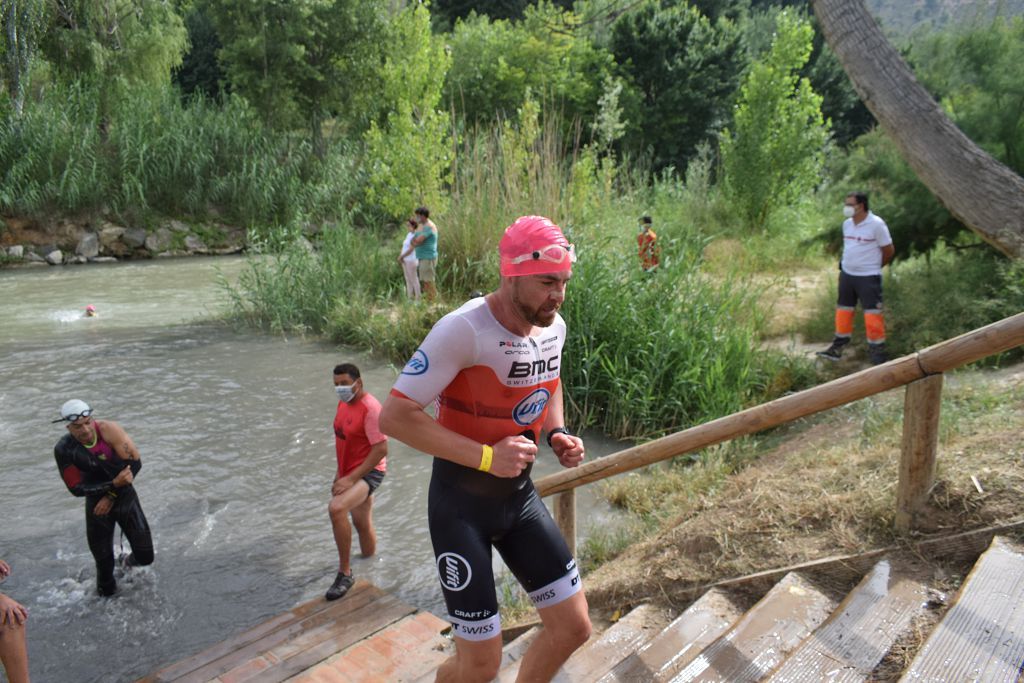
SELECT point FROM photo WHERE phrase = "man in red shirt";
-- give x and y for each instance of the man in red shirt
(362, 460)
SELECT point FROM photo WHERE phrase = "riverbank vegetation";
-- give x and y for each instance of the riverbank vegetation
(319, 126)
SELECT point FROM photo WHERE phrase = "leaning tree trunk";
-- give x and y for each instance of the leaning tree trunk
(981, 192)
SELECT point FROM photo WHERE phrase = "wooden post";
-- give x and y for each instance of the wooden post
(565, 517)
(920, 443)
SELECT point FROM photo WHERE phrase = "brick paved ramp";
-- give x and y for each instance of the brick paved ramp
(368, 635)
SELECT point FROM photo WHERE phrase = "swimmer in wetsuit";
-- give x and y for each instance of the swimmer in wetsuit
(491, 368)
(98, 461)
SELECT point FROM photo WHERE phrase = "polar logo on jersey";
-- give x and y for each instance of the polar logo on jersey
(417, 365)
(454, 572)
(530, 408)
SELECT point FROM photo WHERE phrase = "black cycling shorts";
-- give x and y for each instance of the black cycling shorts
(463, 528)
(373, 479)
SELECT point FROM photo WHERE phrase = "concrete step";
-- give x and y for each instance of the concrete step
(851, 642)
(620, 640)
(981, 637)
(679, 642)
(764, 636)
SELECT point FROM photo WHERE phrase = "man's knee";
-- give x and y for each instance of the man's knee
(478, 662)
(337, 509)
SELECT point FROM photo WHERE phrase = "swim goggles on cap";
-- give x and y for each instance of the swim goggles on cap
(75, 417)
(553, 253)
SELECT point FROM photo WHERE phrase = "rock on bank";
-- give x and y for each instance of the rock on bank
(29, 241)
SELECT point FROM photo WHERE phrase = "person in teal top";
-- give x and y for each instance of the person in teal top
(425, 241)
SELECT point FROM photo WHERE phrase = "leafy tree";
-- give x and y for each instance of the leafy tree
(840, 103)
(774, 153)
(200, 70)
(977, 72)
(21, 22)
(115, 41)
(448, 12)
(495, 63)
(300, 60)
(685, 70)
(409, 152)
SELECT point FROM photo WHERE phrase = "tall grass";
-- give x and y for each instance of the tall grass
(647, 353)
(156, 153)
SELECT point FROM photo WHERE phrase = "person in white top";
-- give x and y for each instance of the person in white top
(867, 248)
(409, 262)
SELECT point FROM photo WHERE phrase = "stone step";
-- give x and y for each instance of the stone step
(861, 631)
(602, 652)
(981, 637)
(679, 642)
(764, 636)
(620, 640)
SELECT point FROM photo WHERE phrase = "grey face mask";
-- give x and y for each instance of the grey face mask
(345, 393)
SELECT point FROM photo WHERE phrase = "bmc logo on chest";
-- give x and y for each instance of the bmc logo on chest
(521, 369)
(531, 407)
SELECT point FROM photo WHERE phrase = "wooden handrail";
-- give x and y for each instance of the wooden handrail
(986, 341)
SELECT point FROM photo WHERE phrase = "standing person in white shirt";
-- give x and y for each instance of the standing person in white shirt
(867, 248)
(409, 262)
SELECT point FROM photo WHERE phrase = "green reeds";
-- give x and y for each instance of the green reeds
(155, 153)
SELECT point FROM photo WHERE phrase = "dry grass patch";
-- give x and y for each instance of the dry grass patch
(826, 489)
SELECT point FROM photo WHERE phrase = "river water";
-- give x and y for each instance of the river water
(235, 433)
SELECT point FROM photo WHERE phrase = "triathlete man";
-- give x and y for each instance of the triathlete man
(491, 368)
(99, 462)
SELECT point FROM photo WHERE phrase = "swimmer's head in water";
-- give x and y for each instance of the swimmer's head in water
(73, 410)
(90, 310)
(533, 245)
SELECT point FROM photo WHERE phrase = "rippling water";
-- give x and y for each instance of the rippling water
(235, 433)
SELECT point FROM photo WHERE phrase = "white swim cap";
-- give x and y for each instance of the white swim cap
(74, 409)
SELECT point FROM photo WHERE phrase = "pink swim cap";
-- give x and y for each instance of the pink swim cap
(90, 307)
(534, 245)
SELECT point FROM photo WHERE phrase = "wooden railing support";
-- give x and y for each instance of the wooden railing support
(565, 517)
(921, 407)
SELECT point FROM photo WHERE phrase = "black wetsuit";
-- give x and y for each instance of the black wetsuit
(91, 476)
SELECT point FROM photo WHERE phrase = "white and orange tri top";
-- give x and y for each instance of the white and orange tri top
(486, 382)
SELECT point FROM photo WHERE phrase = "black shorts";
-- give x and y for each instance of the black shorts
(864, 288)
(464, 527)
(373, 479)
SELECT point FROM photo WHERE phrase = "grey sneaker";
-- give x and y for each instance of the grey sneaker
(342, 582)
(835, 351)
(877, 353)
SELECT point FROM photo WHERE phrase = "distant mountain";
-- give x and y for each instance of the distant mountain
(901, 18)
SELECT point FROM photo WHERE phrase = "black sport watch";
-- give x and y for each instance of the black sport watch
(557, 430)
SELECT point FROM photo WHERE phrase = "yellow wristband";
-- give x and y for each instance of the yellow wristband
(485, 459)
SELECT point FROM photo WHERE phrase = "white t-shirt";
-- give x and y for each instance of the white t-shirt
(406, 245)
(862, 245)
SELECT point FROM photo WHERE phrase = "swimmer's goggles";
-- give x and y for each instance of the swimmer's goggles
(553, 253)
(73, 418)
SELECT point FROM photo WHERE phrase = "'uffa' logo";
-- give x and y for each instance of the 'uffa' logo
(453, 571)
(417, 365)
(531, 407)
